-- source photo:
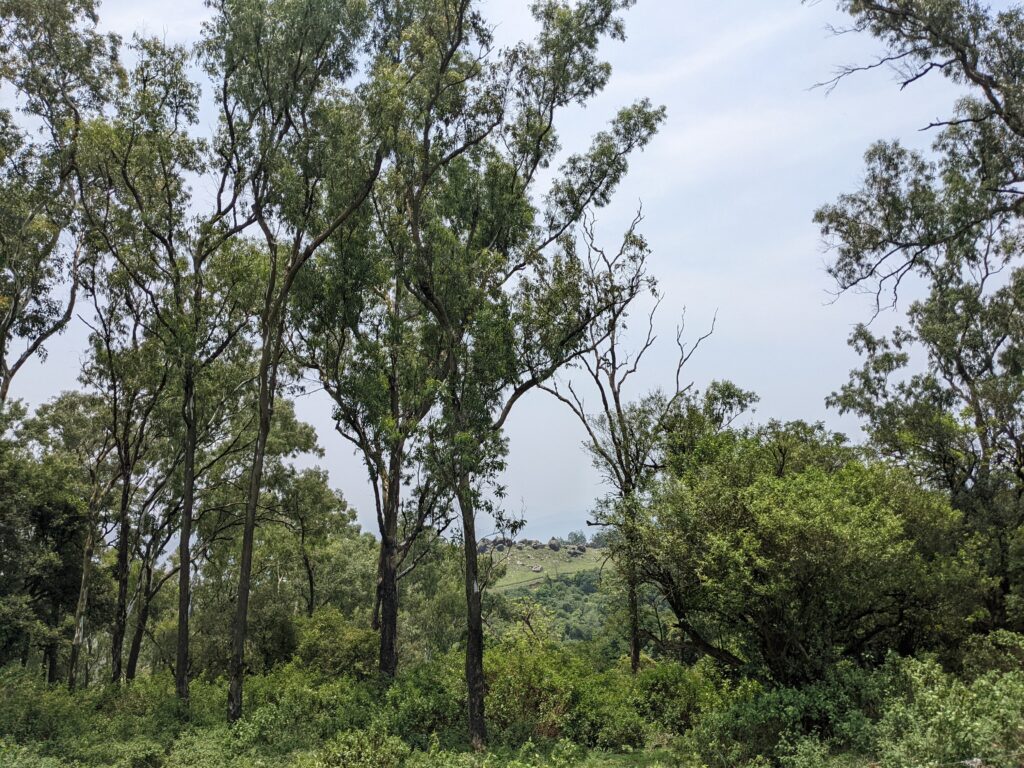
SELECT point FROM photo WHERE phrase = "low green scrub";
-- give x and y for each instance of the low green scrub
(548, 707)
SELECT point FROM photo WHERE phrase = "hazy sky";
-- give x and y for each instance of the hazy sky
(728, 190)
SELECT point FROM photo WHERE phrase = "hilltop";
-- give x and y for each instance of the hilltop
(529, 562)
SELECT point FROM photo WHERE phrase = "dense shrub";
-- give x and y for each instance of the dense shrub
(291, 708)
(934, 718)
(670, 694)
(539, 690)
(373, 748)
(427, 702)
(999, 651)
(331, 646)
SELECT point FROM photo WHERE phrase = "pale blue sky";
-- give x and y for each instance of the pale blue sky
(728, 190)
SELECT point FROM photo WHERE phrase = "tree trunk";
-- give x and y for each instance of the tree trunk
(387, 594)
(51, 663)
(181, 665)
(140, 630)
(146, 596)
(240, 624)
(475, 683)
(634, 623)
(123, 572)
(387, 577)
(80, 607)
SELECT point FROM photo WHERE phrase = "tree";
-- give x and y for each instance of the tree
(779, 552)
(73, 425)
(132, 379)
(181, 253)
(377, 354)
(948, 221)
(624, 439)
(311, 158)
(43, 532)
(498, 274)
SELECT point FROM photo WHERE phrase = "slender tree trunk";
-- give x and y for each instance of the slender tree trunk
(387, 579)
(240, 624)
(387, 593)
(140, 627)
(310, 582)
(87, 667)
(634, 623)
(80, 607)
(51, 663)
(632, 599)
(475, 683)
(181, 665)
(123, 572)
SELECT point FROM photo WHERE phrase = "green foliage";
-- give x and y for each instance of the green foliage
(935, 718)
(538, 690)
(793, 554)
(427, 701)
(999, 651)
(372, 748)
(671, 694)
(291, 708)
(331, 646)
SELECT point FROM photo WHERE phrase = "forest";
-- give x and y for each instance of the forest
(382, 207)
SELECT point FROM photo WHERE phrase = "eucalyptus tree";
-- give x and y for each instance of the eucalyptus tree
(170, 207)
(376, 352)
(494, 268)
(947, 222)
(132, 378)
(287, 68)
(58, 67)
(625, 438)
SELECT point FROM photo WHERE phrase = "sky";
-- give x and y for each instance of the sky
(728, 189)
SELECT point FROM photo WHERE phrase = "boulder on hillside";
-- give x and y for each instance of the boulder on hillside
(554, 545)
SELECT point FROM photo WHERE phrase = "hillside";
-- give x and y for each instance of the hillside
(522, 563)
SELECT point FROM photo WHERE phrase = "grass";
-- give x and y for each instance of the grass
(521, 562)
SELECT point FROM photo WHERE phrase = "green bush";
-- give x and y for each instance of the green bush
(330, 646)
(372, 748)
(999, 651)
(603, 711)
(15, 756)
(427, 702)
(670, 694)
(539, 690)
(934, 718)
(290, 709)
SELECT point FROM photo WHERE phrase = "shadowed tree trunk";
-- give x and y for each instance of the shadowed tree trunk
(80, 608)
(146, 596)
(181, 665)
(475, 683)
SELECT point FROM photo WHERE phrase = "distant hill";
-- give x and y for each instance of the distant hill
(528, 566)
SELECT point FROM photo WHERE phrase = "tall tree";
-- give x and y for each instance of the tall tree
(381, 368)
(496, 272)
(182, 250)
(287, 65)
(948, 222)
(131, 377)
